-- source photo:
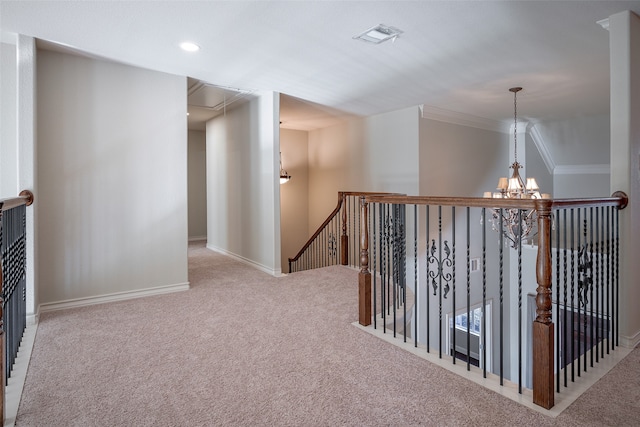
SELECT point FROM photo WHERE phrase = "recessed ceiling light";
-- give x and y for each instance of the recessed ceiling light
(189, 46)
(379, 34)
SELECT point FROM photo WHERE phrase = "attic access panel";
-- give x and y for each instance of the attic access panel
(217, 98)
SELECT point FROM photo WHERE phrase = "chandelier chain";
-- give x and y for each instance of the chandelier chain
(515, 125)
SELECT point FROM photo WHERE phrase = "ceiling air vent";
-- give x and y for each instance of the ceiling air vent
(379, 34)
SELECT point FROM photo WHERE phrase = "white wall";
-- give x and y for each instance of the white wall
(571, 184)
(27, 157)
(294, 195)
(579, 148)
(462, 161)
(392, 151)
(243, 194)
(197, 184)
(112, 178)
(8, 122)
(624, 43)
(536, 168)
(336, 163)
(578, 140)
(17, 137)
(377, 153)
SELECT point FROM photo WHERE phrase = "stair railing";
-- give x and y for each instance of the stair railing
(324, 248)
(13, 317)
(575, 252)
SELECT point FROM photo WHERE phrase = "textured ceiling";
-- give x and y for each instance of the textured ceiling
(453, 55)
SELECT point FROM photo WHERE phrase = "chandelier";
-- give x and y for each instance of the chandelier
(516, 224)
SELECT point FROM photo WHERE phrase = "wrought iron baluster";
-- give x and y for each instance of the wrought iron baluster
(438, 275)
(562, 349)
(520, 312)
(593, 314)
(394, 267)
(500, 292)
(383, 265)
(616, 330)
(609, 274)
(579, 321)
(484, 293)
(595, 303)
(403, 266)
(415, 274)
(439, 280)
(427, 293)
(320, 249)
(375, 266)
(325, 248)
(566, 327)
(453, 283)
(573, 277)
(591, 310)
(468, 290)
(600, 317)
(389, 231)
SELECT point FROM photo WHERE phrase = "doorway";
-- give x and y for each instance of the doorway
(469, 336)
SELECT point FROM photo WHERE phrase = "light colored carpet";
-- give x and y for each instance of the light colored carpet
(244, 348)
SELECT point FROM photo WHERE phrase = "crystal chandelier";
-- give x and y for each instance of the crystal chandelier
(517, 224)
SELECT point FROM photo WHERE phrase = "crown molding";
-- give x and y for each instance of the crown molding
(447, 116)
(604, 23)
(441, 115)
(542, 149)
(596, 169)
(523, 127)
(8, 38)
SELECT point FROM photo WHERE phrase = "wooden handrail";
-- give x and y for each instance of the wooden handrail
(618, 199)
(25, 198)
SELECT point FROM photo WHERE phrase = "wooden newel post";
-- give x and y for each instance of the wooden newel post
(344, 238)
(364, 277)
(543, 393)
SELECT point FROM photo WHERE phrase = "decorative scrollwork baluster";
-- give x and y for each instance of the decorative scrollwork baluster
(332, 245)
(585, 274)
(439, 271)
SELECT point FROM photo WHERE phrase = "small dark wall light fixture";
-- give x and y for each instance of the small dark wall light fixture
(284, 176)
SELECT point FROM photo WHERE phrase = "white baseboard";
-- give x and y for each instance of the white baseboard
(263, 268)
(630, 342)
(33, 319)
(197, 238)
(118, 296)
